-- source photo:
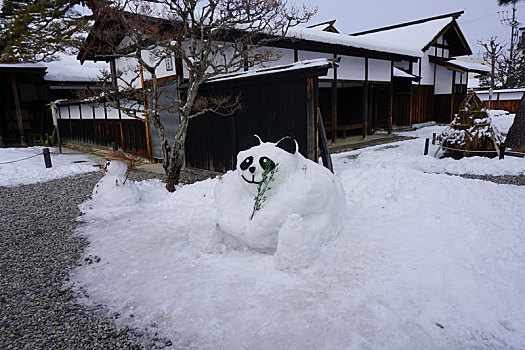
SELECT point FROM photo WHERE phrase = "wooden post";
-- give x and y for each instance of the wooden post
(334, 105)
(325, 152)
(452, 95)
(146, 115)
(114, 146)
(391, 93)
(310, 119)
(18, 111)
(501, 151)
(434, 138)
(47, 157)
(427, 141)
(365, 101)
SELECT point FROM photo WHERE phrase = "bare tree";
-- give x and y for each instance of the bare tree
(209, 38)
(491, 55)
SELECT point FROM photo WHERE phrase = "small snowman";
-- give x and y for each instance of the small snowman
(114, 189)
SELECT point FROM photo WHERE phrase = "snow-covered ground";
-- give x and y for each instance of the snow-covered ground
(426, 261)
(20, 166)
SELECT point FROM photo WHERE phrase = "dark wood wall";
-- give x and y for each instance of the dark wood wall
(129, 134)
(272, 109)
(422, 104)
(402, 99)
(510, 106)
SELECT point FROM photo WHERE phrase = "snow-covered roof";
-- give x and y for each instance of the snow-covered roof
(415, 37)
(67, 69)
(362, 42)
(320, 62)
(22, 65)
(399, 73)
(470, 66)
(315, 34)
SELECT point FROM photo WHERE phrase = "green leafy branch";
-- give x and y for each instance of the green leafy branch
(268, 176)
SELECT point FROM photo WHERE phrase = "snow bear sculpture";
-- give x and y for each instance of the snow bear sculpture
(302, 209)
(114, 189)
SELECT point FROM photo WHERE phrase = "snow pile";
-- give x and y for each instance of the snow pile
(502, 120)
(20, 166)
(425, 260)
(114, 189)
(298, 214)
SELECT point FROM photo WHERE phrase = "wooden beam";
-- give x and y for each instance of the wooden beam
(391, 95)
(310, 119)
(452, 95)
(18, 110)
(365, 101)
(334, 105)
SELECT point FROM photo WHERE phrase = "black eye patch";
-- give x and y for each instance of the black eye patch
(246, 163)
(266, 163)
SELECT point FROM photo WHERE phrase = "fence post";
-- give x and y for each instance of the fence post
(501, 151)
(114, 146)
(47, 157)
(427, 141)
(434, 138)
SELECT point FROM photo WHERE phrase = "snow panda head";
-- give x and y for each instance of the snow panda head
(256, 156)
(114, 167)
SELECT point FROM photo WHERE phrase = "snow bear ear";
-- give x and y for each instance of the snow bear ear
(249, 142)
(288, 144)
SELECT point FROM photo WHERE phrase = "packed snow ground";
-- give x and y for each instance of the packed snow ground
(426, 260)
(21, 166)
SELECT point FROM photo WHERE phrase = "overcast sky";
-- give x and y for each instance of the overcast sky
(480, 20)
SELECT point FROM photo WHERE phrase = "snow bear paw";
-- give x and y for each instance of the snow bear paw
(296, 247)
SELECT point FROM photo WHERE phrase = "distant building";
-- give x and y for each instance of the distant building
(26, 89)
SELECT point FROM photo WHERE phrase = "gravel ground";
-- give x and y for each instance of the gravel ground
(38, 251)
(518, 180)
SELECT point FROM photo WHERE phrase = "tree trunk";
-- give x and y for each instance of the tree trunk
(177, 156)
(516, 136)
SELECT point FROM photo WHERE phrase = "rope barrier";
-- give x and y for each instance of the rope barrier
(472, 151)
(466, 150)
(19, 160)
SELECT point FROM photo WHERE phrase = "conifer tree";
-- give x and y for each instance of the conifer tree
(35, 30)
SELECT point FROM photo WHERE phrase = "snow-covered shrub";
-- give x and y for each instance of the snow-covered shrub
(471, 133)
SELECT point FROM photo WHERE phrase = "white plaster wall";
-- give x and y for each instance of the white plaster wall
(99, 112)
(443, 81)
(404, 65)
(87, 111)
(112, 113)
(129, 69)
(461, 78)
(63, 113)
(310, 55)
(427, 69)
(351, 68)
(379, 70)
(74, 112)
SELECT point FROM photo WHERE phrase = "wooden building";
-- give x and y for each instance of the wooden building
(26, 89)
(442, 81)
(387, 77)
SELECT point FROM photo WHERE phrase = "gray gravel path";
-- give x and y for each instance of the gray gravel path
(38, 251)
